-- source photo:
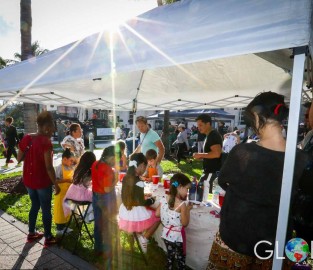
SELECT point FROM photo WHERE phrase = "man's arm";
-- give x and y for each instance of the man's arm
(216, 151)
(161, 151)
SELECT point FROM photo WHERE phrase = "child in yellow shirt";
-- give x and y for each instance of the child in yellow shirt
(64, 175)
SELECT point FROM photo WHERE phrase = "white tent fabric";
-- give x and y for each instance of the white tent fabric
(194, 53)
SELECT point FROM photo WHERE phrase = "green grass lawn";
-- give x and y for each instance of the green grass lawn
(19, 205)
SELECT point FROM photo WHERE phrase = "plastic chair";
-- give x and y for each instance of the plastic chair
(79, 218)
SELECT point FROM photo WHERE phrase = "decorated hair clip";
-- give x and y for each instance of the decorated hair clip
(175, 184)
(133, 163)
(277, 108)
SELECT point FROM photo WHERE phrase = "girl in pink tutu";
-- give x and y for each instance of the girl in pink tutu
(134, 216)
(81, 189)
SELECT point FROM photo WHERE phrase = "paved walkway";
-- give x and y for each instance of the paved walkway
(16, 253)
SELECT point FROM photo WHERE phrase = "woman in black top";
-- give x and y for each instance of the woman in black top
(252, 178)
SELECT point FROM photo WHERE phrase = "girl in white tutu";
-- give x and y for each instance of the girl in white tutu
(134, 216)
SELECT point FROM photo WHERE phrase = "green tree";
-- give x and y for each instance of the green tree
(166, 132)
(36, 50)
(6, 62)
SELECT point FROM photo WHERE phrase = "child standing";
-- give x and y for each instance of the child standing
(121, 147)
(81, 189)
(104, 204)
(153, 168)
(175, 216)
(133, 214)
(64, 175)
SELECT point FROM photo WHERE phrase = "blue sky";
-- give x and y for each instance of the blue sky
(59, 22)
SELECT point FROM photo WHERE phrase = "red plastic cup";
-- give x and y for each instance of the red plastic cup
(121, 176)
(166, 184)
(155, 179)
(220, 199)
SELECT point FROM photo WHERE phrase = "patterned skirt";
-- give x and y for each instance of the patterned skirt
(224, 258)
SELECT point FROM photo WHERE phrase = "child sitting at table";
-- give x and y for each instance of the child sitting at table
(175, 216)
(81, 189)
(121, 147)
(153, 167)
(64, 175)
(133, 214)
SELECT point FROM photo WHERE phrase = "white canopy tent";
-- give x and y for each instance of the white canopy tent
(191, 54)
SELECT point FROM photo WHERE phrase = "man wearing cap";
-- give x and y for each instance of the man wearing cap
(212, 149)
(149, 139)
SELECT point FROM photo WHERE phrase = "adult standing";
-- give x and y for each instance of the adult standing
(74, 141)
(182, 143)
(222, 130)
(11, 140)
(61, 128)
(118, 132)
(39, 175)
(212, 149)
(252, 177)
(149, 139)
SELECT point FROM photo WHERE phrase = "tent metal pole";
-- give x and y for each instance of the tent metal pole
(291, 144)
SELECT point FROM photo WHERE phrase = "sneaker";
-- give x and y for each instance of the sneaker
(60, 232)
(18, 165)
(89, 217)
(34, 236)
(5, 167)
(143, 242)
(50, 241)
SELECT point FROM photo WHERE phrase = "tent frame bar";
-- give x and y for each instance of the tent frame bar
(290, 155)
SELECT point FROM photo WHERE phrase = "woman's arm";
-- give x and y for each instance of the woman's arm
(50, 170)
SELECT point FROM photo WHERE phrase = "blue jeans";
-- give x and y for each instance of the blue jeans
(40, 198)
(105, 228)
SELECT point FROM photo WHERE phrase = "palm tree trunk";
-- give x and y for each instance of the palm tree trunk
(30, 110)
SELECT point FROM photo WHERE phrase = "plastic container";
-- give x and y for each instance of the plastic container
(200, 188)
(193, 190)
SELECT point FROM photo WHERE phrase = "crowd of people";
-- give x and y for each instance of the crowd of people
(250, 173)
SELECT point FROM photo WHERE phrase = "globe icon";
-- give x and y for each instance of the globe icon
(297, 250)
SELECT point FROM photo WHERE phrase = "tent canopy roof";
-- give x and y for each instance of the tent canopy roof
(191, 54)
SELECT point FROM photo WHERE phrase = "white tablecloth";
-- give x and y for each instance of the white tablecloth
(200, 232)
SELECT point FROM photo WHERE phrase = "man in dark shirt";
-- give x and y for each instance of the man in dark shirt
(212, 149)
(11, 140)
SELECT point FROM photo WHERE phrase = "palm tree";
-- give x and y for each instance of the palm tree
(30, 110)
(166, 123)
(36, 50)
(6, 62)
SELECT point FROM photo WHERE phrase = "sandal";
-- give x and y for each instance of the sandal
(34, 236)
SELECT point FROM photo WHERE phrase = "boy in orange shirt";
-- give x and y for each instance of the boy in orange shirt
(153, 167)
